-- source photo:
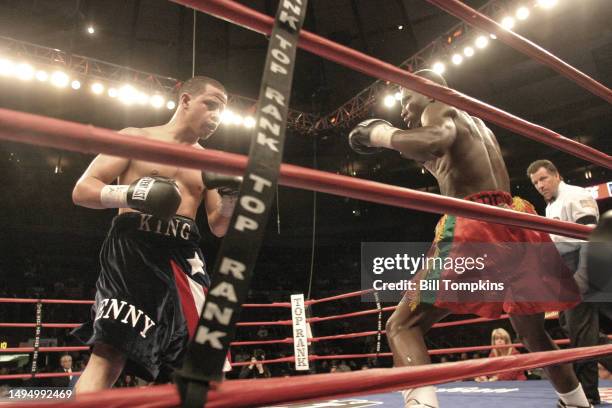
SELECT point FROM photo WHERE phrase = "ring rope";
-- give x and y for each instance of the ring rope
(269, 391)
(50, 301)
(477, 19)
(312, 301)
(38, 375)
(433, 352)
(312, 357)
(246, 305)
(247, 17)
(34, 129)
(309, 320)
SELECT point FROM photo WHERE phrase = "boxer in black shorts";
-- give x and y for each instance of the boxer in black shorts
(153, 275)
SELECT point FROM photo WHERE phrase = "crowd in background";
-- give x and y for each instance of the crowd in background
(35, 281)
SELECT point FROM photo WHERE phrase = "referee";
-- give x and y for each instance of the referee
(573, 204)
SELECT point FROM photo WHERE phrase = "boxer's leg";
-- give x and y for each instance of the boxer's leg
(406, 329)
(103, 369)
(533, 334)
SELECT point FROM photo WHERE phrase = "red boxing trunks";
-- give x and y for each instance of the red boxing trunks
(522, 271)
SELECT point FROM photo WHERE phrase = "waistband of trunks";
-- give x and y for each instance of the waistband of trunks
(176, 228)
(491, 198)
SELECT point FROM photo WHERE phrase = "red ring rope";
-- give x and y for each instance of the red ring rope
(44, 325)
(33, 129)
(249, 18)
(289, 322)
(311, 357)
(269, 391)
(434, 352)
(51, 301)
(37, 375)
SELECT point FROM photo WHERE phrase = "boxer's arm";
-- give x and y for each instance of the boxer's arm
(217, 222)
(103, 170)
(430, 141)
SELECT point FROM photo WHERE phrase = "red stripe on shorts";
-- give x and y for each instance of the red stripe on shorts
(187, 301)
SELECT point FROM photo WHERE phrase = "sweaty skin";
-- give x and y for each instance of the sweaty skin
(198, 120)
(197, 117)
(456, 148)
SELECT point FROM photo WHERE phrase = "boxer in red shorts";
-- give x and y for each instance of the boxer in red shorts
(465, 158)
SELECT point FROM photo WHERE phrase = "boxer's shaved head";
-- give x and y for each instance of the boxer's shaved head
(196, 85)
(432, 76)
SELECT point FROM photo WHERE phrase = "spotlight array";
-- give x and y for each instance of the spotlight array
(229, 117)
(126, 94)
(482, 41)
(522, 13)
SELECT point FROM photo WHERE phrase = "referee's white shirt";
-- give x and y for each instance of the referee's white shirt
(571, 204)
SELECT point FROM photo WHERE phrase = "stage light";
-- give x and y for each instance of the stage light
(397, 96)
(113, 93)
(7, 67)
(59, 79)
(389, 101)
(24, 71)
(457, 59)
(142, 98)
(237, 120)
(249, 122)
(75, 85)
(91, 29)
(507, 22)
(547, 3)
(97, 88)
(400, 27)
(42, 76)
(439, 68)
(522, 13)
(157, 101)
(468, 51)
(227, 116)
(128, 95)
(482, 42)
(171, 105)
(493, 36)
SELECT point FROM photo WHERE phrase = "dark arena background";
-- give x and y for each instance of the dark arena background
(128, 58)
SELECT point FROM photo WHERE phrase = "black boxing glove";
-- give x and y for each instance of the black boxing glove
(158, 196)
(371, 135)
(227, 187)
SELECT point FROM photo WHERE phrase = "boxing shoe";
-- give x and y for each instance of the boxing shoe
(561, 404)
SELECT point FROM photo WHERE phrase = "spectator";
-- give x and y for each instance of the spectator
(343, 367)
(500, 337)
(65, 366)
(127, 381)
(255, 369)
